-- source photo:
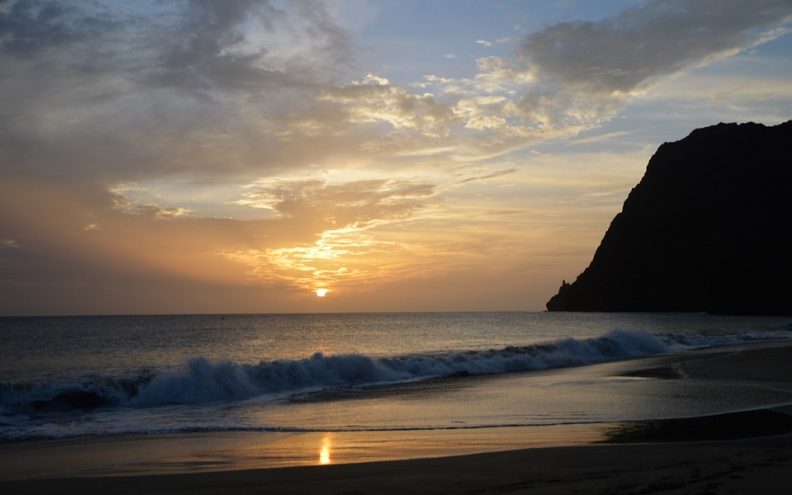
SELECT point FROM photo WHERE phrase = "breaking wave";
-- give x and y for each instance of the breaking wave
(202, 380)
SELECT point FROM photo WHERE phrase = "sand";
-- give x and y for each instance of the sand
(738, 466)
(745, 452)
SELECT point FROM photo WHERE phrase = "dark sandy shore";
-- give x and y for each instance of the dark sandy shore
(744, 452)
(737, 466)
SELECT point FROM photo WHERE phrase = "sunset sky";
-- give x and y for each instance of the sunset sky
(238, 155)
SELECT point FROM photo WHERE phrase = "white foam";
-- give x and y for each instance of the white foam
(203, 380)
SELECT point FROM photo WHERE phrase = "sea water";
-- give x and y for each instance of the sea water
(67, 377)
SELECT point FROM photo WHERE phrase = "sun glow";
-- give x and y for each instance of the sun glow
(322, 292)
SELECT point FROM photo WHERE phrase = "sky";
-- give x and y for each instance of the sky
(237, 156)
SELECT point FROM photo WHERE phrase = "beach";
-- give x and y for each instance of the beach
(733, 452)
(395, 247)
(745, 466)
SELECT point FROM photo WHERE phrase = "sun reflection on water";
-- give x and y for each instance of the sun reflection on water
(324, 450)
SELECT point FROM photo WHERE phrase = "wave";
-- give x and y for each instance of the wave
(202, 380)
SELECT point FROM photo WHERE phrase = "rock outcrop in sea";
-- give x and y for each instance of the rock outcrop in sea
(707, 229)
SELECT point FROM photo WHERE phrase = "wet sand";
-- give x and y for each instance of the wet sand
(746, 452)
(739, 466)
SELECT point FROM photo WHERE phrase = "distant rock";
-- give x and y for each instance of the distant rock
(708, 228)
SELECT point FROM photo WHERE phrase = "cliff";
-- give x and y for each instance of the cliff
(708, 228)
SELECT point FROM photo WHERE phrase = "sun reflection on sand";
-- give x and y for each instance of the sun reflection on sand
(324, 450)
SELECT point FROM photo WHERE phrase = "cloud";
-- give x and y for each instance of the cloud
(374, 99)
(492, 175)
(217, 108)
(350, 202)
(245, 88)
(484, 43)
(29, 27)
(359, 237)
(598, 138)
(623, 54)
(343, 217)
(220, 45)
(159, 89)
(575, 76)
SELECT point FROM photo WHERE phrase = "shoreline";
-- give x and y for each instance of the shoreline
(754, 465)
(648, 455)
(141, 455)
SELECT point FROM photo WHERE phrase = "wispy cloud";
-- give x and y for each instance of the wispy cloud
(598, 138)
(619, 56)
(344, 216)
(374, 99)
(492, 175)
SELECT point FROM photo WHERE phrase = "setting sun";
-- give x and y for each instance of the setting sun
(321, 292)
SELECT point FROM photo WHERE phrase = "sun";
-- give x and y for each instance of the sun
(321, 292)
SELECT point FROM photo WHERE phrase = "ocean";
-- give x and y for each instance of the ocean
(97, 376)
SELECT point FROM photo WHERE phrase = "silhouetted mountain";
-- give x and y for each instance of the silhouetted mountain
(708, 228)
